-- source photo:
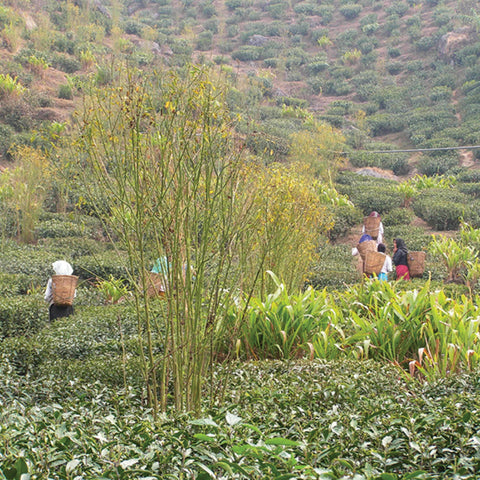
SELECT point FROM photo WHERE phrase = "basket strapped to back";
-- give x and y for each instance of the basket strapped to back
(368, 246)
(155, 284)
(372, 226)
(374, 262)
(63, 289)
(416, 263)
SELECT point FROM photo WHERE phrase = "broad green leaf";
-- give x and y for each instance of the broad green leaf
(282, 441)
(202, 436)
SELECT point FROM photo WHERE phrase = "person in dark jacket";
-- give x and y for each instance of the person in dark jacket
(400, 254)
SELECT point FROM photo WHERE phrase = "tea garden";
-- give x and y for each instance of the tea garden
(343, 378)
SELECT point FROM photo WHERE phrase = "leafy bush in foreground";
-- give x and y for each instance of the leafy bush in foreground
(335, 420)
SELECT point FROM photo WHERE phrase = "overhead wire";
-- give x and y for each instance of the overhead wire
(468, 147)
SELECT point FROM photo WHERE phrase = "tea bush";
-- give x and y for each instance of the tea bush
(442, 208)
(472, 189)
(434, 165)
(335, 268)
(12, 284)
(73, 247)
(91, 332)
(381, 199)
(415, 238)
(55, 229)
(22, 353)
(344, 218)
(102, 265)
(106, 370)
(396, 162)
(350, 11)
(22, 315)
(398, 216)
(29, 260)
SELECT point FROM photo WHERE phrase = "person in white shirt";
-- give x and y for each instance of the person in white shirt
(387, 265)
(60, 267)
(379, 238)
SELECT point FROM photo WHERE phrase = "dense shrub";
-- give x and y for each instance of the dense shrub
(433, 165)
(102, 266)
(57, 229)
(22, 353)
(472, 189)
(204, 40)
(368, 193)
(350, 11)
(344, 218)
(415, 238)
(335, 268)
(441, 208)
(248, 53)
(66, 63)
(22, 315)
(12, 284)
(385, 123)
(27, 259)
(91, 332)
(398, 216)
(65, 92)
(381, 199)
(469, 176)
(396, 162)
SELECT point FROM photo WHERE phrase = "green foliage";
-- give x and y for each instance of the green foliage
(415, 238)
(396, 162)
(335, 268)
(58, 228)
(398, 216)
(102, 266)
(22, 353)
(382, 199)
(282, 326)
(344, 218)
(22, 315)
(441, 208)
(12, 284)
(65, 92)
(434, 165)
(95, 331)
(350, 11)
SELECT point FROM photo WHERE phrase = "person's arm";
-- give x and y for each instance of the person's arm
(48, 296)
(388, 264)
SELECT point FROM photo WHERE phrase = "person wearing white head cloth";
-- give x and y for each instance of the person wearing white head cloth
(60, 267)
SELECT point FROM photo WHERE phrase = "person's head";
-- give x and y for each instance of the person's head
(61, 267)
(381, 248)
(374, 214)
(399, 243)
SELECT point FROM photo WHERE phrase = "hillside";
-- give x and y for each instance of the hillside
(387, 74)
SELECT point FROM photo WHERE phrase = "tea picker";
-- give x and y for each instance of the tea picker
(61, 290)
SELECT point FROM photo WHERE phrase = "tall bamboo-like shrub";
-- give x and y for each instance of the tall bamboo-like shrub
(162, 154)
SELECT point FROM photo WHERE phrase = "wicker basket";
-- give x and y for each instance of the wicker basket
(416, 263)
(374, 262)
(63, 289)
(155, 285)
(372, 226)
(368, 246)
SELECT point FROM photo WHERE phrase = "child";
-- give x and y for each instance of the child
(387, 266)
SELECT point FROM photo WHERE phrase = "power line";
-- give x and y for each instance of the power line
(470, 147)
